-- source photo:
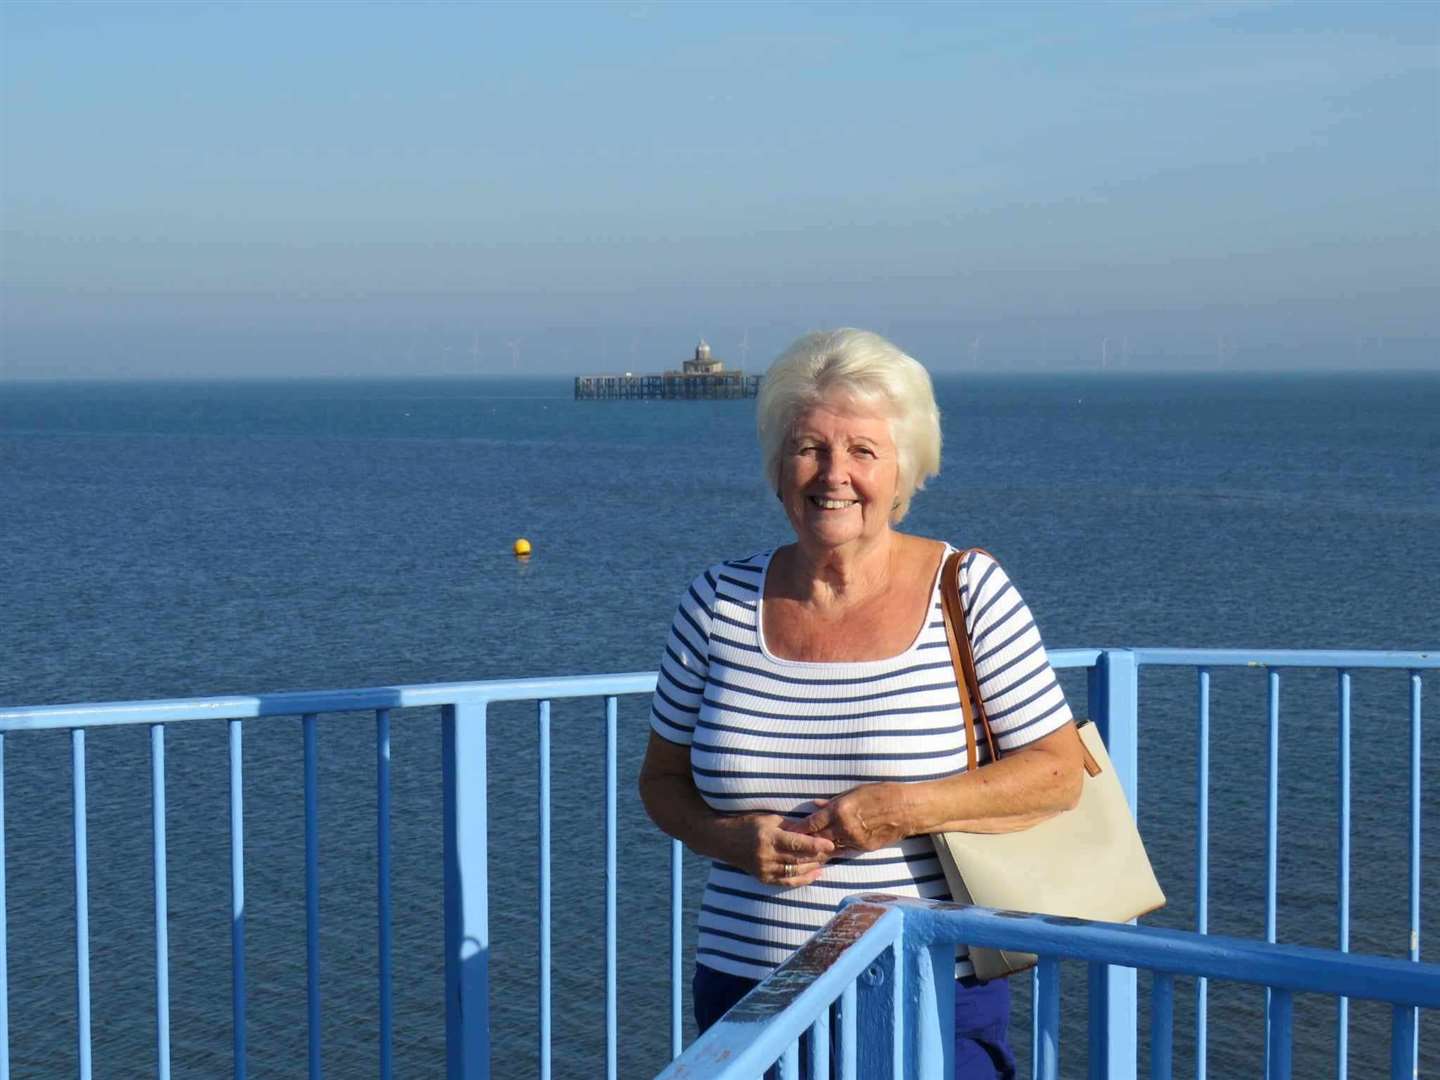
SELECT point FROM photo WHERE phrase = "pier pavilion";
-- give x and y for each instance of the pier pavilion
(703, 376)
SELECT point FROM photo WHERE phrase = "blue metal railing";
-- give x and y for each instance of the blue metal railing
(463, 715)
(1274, 661)
(887, 963)
(1113, 691)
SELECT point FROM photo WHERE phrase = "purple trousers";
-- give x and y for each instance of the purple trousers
(982, 1015)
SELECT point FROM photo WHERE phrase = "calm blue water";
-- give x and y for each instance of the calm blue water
(176, 539)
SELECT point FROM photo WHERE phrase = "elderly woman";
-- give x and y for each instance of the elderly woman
(807, 731)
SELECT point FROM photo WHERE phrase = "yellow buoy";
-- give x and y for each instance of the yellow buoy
(522, 548)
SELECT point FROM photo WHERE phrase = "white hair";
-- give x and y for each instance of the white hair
(853, 367)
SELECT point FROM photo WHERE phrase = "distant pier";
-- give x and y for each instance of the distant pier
(703, 377)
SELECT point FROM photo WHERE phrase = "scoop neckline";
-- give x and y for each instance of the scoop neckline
(832, 664)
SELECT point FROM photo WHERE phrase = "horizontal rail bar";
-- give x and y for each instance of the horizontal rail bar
(369, 699)
(300, 702)
(1288, 658)
(1075, 658)
(1257, 963)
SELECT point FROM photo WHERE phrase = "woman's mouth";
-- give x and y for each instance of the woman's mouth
(832, 504)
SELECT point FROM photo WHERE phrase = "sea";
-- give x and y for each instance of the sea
(169, 539)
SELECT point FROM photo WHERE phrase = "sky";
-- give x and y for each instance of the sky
(314, 189)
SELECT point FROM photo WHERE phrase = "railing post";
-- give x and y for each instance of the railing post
(467, 887)
(879, 1005)
(929, 988)
(1114, 705)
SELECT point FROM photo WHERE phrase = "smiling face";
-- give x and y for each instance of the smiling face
(838, 475)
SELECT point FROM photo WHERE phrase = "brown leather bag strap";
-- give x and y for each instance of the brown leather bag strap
(962, 656)
(954, 612)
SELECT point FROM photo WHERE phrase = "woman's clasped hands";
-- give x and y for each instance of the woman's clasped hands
(791, 854)
(776, 852)
(865, 818)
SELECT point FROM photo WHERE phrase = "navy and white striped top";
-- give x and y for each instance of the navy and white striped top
(769, 734)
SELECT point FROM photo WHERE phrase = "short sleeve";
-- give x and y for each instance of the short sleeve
(684, 665)
(1022, 696)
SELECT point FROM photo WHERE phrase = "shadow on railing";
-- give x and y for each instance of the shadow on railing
(885, 966)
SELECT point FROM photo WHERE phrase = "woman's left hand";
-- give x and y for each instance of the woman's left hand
(865, 818)
(1020, 790)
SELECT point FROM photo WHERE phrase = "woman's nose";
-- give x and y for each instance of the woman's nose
(832, 469)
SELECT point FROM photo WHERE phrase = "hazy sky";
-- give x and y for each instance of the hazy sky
(215, 189)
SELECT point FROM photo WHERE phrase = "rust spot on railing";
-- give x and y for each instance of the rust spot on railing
(814, 957)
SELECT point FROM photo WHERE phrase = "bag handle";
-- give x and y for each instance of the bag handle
(962, 655)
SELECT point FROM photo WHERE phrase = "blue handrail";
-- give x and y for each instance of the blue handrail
(1114, 695)
(909, 1029)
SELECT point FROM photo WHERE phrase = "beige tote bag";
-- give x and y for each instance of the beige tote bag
(1088, 862)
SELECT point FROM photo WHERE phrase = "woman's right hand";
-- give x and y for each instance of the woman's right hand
(773, 855)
